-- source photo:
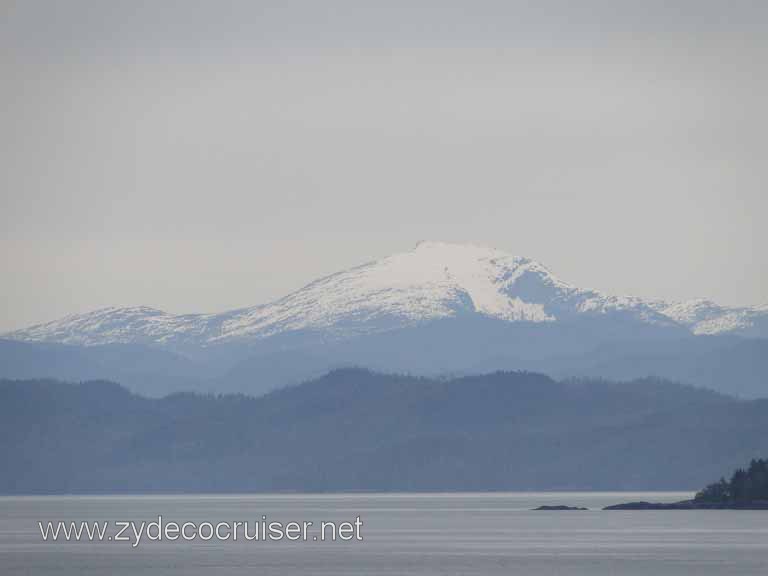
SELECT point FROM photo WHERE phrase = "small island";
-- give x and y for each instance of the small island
(560, 507)
(746, 490)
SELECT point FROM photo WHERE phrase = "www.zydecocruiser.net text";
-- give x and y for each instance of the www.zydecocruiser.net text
(160, 530)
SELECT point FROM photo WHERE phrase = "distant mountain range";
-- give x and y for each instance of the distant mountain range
(357, 430)
(440, 308)
(433, 281)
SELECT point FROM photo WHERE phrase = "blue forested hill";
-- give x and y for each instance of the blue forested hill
(358, 430)
(732, 365)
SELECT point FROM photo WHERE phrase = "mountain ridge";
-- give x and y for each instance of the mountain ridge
(435, 280)
(502, 431)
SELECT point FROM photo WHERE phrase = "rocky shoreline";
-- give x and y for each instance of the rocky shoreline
(683, 505)
(691, 505)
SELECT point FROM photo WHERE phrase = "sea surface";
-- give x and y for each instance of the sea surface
(490, 533)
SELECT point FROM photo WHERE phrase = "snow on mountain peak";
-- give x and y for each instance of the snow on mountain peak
(705, 317)
(433, 280)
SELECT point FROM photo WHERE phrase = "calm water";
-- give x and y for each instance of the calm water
(402, 534)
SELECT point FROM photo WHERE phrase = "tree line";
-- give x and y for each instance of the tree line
(744, 486)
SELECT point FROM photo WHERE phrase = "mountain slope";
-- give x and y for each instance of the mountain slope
(434, 281)
(438, 309)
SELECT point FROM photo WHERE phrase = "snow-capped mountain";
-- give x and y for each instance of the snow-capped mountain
(433, 281)
(706, 317)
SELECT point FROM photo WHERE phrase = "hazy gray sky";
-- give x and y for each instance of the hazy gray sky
(198, 156)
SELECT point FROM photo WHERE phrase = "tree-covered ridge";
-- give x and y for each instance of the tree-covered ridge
(355, 430)
(748, 485)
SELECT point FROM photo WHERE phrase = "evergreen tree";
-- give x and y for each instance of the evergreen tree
(745, 485)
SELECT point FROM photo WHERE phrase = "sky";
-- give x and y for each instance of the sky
(202, 156)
